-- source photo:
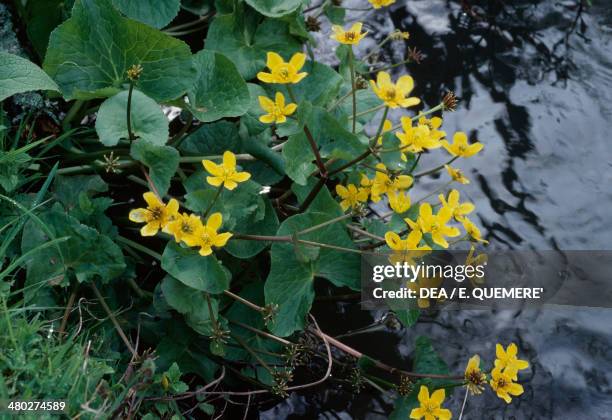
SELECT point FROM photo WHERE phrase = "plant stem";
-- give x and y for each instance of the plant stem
(69, 306)
(353, 88)
(311, 140)
(243, 301)
(252, 353)
(214, 200)
(312, 194)
(131, 136)
(113, 320)
(72, 112)
(139, 247)
(436, 169)
(367, 111)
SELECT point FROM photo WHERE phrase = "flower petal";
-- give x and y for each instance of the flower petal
(152, 200)
(274, 60)
(266, 104)
(405, 84)
(297, 61)
(229, 160)
(215, 221)
(150, 229)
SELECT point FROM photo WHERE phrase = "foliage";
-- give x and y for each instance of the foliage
(255, 198)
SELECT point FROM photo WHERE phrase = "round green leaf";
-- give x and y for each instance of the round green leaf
(219, 90)
(274, 8)
(162, 161)
(157, 13)
(89, 54)
(201, 273)
(148, 120)
(19, 75)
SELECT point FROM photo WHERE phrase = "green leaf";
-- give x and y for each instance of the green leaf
(274, 8)
(180, 297)
(162, 161)
(89, 54)
(219, 90)
(251, 226)
(201, 273)
(156, 13)
(18, 75)
(148, 120)
(212, 139)
(43, 16)
(290, 283)
(298, 159)
(87, 253)
(246, 42)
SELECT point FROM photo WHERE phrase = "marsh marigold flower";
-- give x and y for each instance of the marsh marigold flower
(399, 201)
(351, 36)
(384, 184)
(207, 235)
(156, 215)
(456, 175)
(420, 137)
(507, 360)
(431, 406)
(225, 174)
(473, 376)
(427, 283)
(427, 222)
(377, 4)
(460, 146)
(472, 230)
(394, 95)
(406, 250)
(501, 382)
(351, 195)
(184, 228)
(459, 210)
(277, 111)
(282, 72)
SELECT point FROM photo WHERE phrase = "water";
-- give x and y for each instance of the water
(535, 79)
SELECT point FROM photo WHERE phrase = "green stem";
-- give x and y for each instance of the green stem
(312, 194)
(353, 88)
(367, 111)
(416, 162)
(376, 48)
(252, 353)
(214, 200)
(9, 324)
(129, 113)
(138, 247)
(72, 112)
(436, 169)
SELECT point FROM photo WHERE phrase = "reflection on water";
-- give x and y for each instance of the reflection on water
(535, 79)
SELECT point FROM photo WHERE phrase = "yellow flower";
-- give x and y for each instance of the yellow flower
(507, 360)
(427, 222)
(383, 184)
(425, 283)
(460, 146)
(434, 123)
(473, 376)
(406, 250)
(156, 215)
(417, 139)
(277, 111)
(366, 184)
(281, 72)
(350, 37)
(394, 95)
(501, 382)
(399, 201)
(387, 126)
(225, 173)
(351, 195)
(207, 235)
(459, 210)
(456, 175)
(472, 230)
(474, 261)
(377, 4)
(430, 408)
(184, 228)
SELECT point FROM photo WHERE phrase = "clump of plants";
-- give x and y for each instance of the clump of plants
(187, 251)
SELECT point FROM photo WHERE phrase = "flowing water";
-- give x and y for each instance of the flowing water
(535, 82)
